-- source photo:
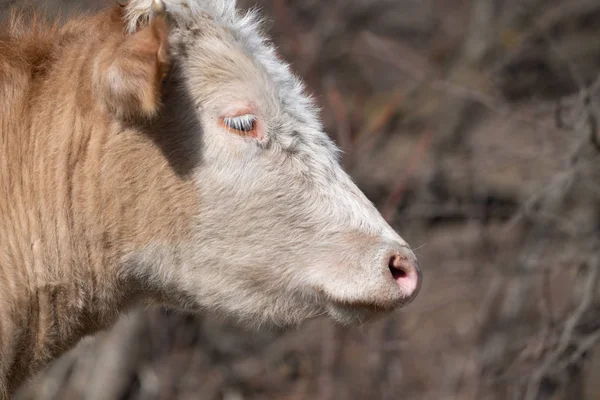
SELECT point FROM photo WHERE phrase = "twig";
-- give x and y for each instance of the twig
(389, 208)
(420, 72)
(334, 97)
(547, 303)
(583, 346)
(566, 337)
(381, 120)
(329, 355)
(288, 25)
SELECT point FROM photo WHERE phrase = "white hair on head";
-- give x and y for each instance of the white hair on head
(181, 11)
(246, 27)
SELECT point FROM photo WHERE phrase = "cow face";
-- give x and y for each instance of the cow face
(281, 233)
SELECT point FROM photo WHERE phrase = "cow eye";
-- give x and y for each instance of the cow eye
(243, 124)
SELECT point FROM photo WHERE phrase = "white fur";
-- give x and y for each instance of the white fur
(283, 233)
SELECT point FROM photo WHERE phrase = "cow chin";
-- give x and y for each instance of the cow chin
(369, 302)
(357, 314)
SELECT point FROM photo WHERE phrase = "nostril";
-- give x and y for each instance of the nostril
(406, 273)
(398, 267)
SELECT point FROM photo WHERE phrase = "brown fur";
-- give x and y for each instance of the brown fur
(73, 207)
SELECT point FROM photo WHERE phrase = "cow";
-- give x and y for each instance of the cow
(160, 153)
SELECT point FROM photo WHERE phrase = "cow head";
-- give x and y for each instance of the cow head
(280, 232)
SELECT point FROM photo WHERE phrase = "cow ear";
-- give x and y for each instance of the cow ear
(129, 71)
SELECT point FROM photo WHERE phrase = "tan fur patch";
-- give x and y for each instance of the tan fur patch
(129, 71)
(77, 205)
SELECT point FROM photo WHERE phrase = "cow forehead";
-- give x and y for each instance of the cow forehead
(228, 57)
(221, 68)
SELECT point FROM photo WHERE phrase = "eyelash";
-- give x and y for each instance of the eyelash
(242, 123)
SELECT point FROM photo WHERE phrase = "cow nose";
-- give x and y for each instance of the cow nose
(406, 272)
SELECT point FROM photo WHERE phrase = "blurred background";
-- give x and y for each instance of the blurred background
(473, 125)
